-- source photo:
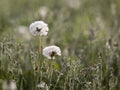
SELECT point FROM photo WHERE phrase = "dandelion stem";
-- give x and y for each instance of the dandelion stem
(51, 71)
(39, 60)
(57, 81)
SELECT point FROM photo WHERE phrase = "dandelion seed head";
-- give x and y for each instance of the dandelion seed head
(75, 4)
(9, 85)
(39, 28)
(22, 30)
(43, 11)
(42, 86)
(51, 51)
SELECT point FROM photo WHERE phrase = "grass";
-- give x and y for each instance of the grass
(88, 35)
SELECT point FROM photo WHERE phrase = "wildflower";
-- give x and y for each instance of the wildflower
(39, 28)
(9, 85)
(42, 86)
(51, 51)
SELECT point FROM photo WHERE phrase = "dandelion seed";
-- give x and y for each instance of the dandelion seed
(9, 85)
(39, 28)
(51, 51)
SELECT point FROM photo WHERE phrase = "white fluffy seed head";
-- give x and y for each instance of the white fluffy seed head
(51, 51)
(9, 85)
(23, 31)
(39, 28)
(43, 11)
(42, 86)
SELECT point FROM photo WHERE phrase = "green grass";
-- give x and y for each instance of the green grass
(88, 35)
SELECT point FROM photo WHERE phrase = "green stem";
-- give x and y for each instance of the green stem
(51, 71)
(57, 81)
(39, 61)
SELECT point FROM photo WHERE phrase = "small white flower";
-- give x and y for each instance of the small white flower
(51, 51)
(39, 28)
(9, 85)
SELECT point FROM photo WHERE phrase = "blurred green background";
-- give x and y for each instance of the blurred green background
(74, 24)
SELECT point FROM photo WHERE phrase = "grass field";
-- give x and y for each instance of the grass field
(87, 32)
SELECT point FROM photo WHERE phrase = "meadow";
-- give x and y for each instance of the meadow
(86, 31)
